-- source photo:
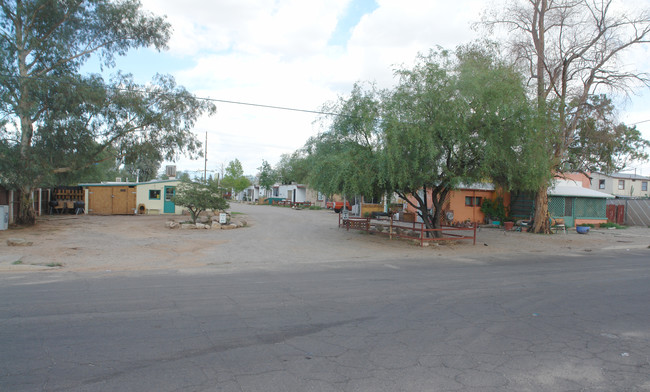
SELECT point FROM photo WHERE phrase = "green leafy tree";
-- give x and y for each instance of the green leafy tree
(145, 164)
(267, 176)
(570, 51)
(198, 196)
(450, 120)
(346, 158)
(234, 177)
(601, 143)
(59, 121)
(291, 168)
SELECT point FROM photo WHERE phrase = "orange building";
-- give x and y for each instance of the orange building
(464, 204)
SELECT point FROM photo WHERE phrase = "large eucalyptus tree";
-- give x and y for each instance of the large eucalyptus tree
(55, 119)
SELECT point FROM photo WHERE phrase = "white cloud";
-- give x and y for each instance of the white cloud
(276, 52)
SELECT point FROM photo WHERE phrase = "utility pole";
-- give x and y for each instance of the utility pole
(205, 162)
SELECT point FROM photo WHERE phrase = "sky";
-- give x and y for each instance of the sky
(302, 54)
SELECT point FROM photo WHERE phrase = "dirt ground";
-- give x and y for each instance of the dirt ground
(274, 237)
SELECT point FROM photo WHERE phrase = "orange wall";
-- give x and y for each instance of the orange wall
(577, 177)
(579, 221)
(456, 203)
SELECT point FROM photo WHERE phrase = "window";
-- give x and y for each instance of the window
(469, 201)
(601, 184)
(169, 193)
(621, 184)
(644, 186)
(320, 197)
(473, 201)
(372, 200)
(477, 201)
(154, 194)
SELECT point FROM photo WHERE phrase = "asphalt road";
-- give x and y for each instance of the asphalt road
(574, 324)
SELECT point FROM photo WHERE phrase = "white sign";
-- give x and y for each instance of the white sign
(223, 218)
(345, 215)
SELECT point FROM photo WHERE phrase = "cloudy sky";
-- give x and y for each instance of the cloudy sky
(301, 54)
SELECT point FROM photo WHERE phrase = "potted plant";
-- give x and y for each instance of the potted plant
(494, 210)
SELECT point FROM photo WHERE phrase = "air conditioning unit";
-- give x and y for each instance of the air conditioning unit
(171, 171)
(118, 179)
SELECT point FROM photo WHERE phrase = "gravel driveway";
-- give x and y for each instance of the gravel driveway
(275, 237)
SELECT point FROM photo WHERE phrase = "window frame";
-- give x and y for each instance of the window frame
(621, 185)
(153, 191)
(601, 184)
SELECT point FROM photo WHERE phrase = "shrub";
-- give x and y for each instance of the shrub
(494, 209)
(198, 197)
(611, 224)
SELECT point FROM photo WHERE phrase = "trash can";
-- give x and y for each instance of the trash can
(4, 217)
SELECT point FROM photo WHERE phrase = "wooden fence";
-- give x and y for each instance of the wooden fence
(630, 212)
(413, 231)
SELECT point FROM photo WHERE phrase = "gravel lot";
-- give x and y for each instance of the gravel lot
(274, 238)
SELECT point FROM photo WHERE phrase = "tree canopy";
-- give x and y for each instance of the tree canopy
(57, 120)
(449, 121)
(234, 177)
(571, 52)
(266, 176)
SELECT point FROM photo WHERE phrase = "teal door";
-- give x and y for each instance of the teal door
(170, 207)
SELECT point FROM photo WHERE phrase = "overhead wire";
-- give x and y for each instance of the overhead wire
(209, 99)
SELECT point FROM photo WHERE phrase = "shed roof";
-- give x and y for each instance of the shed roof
(477, 186)
(118, 183)
(577, 191)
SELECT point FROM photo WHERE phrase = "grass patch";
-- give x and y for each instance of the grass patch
(315, 207)
(52, 265)
(610, 224)
(237, 213)
(17, 262)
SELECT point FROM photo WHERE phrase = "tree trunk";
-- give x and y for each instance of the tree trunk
(26, 213)
(431, 221)
(541, 222)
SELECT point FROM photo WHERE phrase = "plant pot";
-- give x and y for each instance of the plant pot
(582, 229)
(508, 225)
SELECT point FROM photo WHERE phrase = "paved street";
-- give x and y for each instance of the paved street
(579, 323)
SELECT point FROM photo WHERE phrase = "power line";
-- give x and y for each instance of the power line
(259, 105)
(641, 122)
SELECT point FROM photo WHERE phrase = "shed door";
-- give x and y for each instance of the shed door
(169, 207)
(121, 200)
(568, 211)
(100, 200)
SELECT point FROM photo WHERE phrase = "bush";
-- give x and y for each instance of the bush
(494, 209)
(198, 197)
(610, 224)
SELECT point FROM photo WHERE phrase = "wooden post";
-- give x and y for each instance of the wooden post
(475, 224)
(421, 234)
